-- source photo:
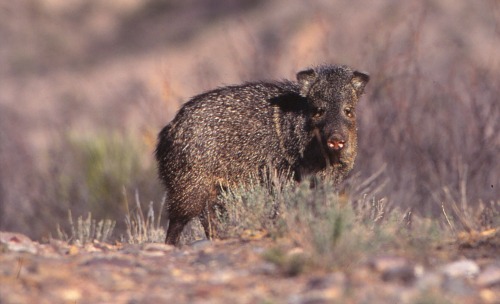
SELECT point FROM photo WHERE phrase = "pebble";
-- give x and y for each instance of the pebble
(17, 242)
(463, 268)
(201, 244)
(158, 247)
(328, 281)
(394, 268)
(331, 295)
(72, 295)
(222, 276)
(386, 263)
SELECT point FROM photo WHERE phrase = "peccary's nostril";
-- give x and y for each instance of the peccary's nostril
(336, 143)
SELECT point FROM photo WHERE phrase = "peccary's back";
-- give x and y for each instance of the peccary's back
(230, 133)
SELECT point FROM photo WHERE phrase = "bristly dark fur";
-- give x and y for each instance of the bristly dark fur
(229, 135)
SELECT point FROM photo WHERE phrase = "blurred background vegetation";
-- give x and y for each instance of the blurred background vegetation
(85, 85)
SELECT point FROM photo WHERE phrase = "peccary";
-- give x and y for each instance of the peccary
(231, 134)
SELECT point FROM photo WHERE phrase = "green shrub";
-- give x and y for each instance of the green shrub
(95, 172)
(335, 231)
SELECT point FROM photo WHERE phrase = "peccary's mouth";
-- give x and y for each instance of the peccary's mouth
(341, 159)
(336, 159)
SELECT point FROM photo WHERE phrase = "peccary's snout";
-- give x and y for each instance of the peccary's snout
(336, 142)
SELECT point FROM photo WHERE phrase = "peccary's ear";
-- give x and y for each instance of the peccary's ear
(358, 81)
(306, 79)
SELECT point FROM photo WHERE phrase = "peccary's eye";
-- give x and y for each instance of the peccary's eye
(319, 112)
(349, 112)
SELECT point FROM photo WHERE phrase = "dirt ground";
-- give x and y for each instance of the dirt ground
(237, 271)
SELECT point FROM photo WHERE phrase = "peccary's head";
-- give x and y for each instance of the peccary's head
(332, 93)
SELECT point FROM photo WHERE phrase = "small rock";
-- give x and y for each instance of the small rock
(295, 251)
(266, 268)
(323, 296)
(488, 296)
(210, 259)
(153, 254)
(334, 279)
(382, 264)
(73, 250)
(259, 250)
(17, 242)
(463, 268)
(404, 274)
(201, 244)
(70, 295)
(394, 268)
(489, 277)
(157, 247)
(132, 249)
(222, 277)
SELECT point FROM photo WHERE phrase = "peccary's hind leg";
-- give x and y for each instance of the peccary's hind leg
(186, 204)
(183, 206)
(175, 227)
